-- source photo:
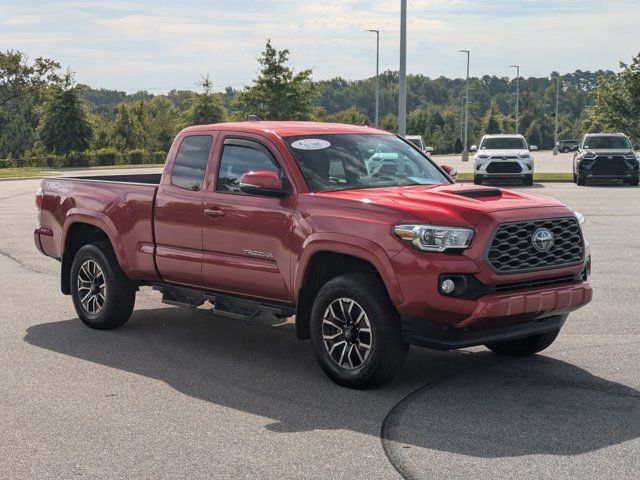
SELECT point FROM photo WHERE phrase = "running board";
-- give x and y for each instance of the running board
(224, 305)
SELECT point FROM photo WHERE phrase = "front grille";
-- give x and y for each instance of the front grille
(504, 167)
(511, 250)
(609, 166)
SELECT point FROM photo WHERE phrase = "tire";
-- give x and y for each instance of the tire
(634, 182)
(575, 178)
(95, 264)
(354, 365)
(525, 346)
(580, 181)
(565, 150)
(477, 180)
(528, 180)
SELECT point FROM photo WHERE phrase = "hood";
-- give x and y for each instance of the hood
(457, 205)
(609, 151)
(503, 152)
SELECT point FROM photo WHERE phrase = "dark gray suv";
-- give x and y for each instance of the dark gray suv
(605, 156)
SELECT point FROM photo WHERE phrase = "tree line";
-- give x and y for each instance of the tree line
(44, 114)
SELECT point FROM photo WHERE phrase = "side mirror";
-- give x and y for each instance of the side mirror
(574, 148)
(264, 183)
(451, 171)
(428, 149)
(473, 149)
(533, 148)
(636, 147)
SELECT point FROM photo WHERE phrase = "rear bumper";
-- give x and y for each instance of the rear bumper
(501, 317)
(439, 336)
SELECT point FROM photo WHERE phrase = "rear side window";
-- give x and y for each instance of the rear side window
(240, 157)
(191, 162)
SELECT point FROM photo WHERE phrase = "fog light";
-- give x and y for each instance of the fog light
(448, 286)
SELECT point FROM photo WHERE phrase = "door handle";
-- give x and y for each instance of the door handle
(214, 212)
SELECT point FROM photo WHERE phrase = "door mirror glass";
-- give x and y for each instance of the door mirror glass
(473, 149)
(451, 171)
(264, 183)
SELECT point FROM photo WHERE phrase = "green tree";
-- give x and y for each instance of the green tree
(23, 86)
(65, 125)
(278, 93)
(353, 116)
(617, 101)
(533, 134)
(389, 122)
(491, 122)
(206, 107)
(126, 131)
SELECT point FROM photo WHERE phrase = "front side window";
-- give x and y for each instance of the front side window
(191, 162)
(504, 143)
(349, 161)
(240, 157)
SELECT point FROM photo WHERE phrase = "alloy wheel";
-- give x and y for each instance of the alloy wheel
(92, 287)
(346, 332)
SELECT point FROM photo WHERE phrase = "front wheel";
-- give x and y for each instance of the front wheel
(528, 180)
(477, 179)
(355, 331)
(525, 346)
(634, 182)
(581, 181)
(102, 294)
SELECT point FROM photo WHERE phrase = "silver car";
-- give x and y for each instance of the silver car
(502, 157)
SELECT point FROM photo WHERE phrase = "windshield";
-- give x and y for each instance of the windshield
(504, 143)
(346, 161)
(607, 142)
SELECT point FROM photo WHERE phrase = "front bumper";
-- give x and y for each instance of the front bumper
(439, 336)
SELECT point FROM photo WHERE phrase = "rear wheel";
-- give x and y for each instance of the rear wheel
(525, 346)
(477, 179)
(102, 294)
(355, 331)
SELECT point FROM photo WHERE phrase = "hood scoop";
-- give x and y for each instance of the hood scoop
(479, 192)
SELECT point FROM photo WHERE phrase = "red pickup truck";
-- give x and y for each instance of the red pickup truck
(353, 230)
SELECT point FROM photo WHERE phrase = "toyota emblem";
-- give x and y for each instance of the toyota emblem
(542, 239)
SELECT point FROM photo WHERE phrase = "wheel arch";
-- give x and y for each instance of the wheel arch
(80, 230)
(324, 259)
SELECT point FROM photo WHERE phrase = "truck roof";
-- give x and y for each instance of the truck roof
(287, 129)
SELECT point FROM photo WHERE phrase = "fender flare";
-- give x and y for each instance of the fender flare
(348, 245)
(99, 220)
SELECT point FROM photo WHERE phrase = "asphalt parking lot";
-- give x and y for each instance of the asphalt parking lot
(179, 394)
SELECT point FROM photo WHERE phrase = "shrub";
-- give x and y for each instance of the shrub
(157, 157)
(137, 157)
(8, 163)
(107, 156)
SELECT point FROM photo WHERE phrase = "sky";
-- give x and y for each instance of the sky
(159, 45)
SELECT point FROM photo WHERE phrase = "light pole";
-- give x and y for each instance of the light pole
(402, 93)
(462, 117)
(555, 145)
(377, 32)
(465, 150)
(517, 67)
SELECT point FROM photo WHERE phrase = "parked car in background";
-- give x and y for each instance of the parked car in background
(287, 218)
(605, 156)
(501, 157)
(418, 141)
(566, 146)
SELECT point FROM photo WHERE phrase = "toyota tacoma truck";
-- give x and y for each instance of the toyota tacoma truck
(285, 219)
(502, 157)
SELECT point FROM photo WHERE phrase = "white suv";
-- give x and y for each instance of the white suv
(502, 157)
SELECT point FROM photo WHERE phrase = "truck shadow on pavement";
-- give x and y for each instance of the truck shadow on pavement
(471, 403)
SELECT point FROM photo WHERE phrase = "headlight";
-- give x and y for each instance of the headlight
(524, 155)
(432, 238)
(580, 218)
(589, 155)
(630, 156)
(483, 156)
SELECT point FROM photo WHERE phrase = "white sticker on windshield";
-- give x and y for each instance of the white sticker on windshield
(311, 144)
